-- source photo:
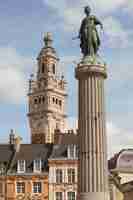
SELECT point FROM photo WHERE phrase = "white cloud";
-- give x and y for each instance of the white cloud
(116, 33)
(106, 6)
(13, 68)
(12, 85)
(103, 6)
(118, 139)
(129, 7)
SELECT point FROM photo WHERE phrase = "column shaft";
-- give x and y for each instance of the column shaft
(93, 176)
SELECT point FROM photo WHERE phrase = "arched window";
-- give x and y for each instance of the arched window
(43, 99)
(43, 67)
(56, 101)
(53, 100)
(53, 66)
(35, 101)
(60, 103)
(39, 99)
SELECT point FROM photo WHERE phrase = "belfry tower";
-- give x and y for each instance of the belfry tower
(46, 96)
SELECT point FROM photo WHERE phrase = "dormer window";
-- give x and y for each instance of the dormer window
(37, 165)
(21, 166)
(72, 151)
(2, 169)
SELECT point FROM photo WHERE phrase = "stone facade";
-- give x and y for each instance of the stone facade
(9, 190)
(63, 174)
(64, 186)
(47, 96)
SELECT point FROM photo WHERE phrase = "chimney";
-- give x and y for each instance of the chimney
(11, 137)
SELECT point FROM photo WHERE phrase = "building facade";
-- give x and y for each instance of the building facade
(23, 171)
(63, 170)
(19, 187)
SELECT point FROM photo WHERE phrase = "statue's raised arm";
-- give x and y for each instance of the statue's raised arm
(88, 34)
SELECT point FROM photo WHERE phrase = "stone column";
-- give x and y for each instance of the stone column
(93, 176)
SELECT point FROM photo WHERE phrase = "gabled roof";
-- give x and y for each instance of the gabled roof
(63, 138)
(34, 151)
(5, 152)
(27, 152)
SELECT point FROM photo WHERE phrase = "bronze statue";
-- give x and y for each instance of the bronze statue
(88, 34)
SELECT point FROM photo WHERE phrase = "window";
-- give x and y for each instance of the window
(57, 125)
(53, 68)
(60, 103)
(71, 151)
(53, 100)
(1, 188)
(40, 99)
(43, 67)
(37, 187)
(21, 166)
(35, 101)
(58, 195)
(77, 151)
(56, 101)
(20, 187)
(71, 175)
(37, 165)
(43, 99)
(59, 176)
(2, 169)
(71, 195)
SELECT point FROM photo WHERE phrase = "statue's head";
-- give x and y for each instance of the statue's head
(87, 10)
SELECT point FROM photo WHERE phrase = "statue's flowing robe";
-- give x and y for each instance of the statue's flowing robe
(89, 38)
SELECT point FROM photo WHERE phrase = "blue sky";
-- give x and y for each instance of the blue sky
(23, 24)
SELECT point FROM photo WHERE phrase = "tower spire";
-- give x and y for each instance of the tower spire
(48, 39)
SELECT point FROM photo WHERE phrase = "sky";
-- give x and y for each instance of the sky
(23, 24)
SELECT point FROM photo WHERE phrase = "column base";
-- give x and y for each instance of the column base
(94, 196)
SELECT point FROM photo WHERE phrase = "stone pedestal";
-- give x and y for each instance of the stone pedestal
(93, 176)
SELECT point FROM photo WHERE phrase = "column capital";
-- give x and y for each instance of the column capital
(83, 70)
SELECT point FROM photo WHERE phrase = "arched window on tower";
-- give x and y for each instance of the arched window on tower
(56, 101)
(40, 100)
(43, 67)
(35, 101)
(53, 68)
(53, 100)
(60, 103)
(43, 99)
